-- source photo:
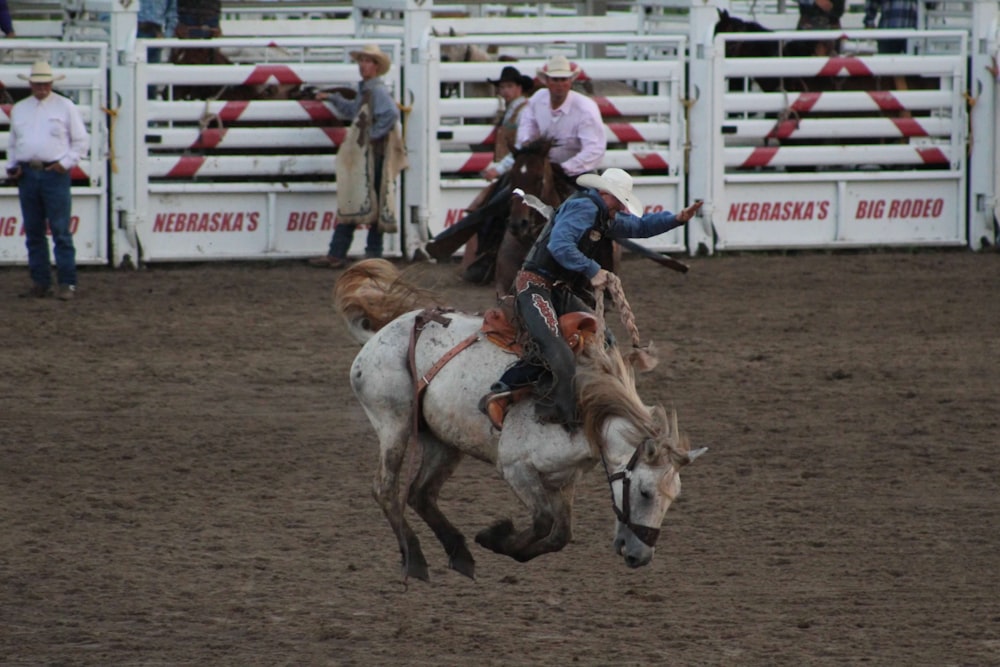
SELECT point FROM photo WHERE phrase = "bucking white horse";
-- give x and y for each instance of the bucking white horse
(424, 408)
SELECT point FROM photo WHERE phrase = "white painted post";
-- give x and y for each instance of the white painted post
(417, 94)
(125, 133)
(701, 94)
(416, 25)
(984, 174)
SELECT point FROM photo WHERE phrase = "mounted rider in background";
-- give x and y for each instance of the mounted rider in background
(570, 119)
(514, 89)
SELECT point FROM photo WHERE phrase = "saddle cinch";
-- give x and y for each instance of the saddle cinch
(577, 329)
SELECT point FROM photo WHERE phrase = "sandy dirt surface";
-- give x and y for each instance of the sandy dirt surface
(186, 477)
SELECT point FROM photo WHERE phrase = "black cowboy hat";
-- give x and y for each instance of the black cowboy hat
(513, 75)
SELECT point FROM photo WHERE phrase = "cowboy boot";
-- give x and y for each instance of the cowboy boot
(496, 403)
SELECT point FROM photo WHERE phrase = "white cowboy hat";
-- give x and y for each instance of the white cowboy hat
(41, 72)
(559, 67)
(382, 59)
(617, 183)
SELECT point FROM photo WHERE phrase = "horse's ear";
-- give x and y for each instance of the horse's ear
(451, 32)
(723, 14)
(691, 455)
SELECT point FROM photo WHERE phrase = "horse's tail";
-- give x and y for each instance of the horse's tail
(372, 293)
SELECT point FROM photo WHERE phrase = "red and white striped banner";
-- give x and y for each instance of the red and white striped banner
(809, 156)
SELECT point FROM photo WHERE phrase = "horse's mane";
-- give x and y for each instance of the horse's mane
(605, 385)
(373, 292)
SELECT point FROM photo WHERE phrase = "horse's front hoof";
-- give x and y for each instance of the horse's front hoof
(460, 560)
(416, 571)
(464, 565)
(493, 538)
(415, 565)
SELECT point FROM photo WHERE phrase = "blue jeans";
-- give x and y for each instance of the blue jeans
(343, 234)
(46, 195)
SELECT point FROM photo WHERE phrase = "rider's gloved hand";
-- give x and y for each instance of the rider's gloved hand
(600, 279)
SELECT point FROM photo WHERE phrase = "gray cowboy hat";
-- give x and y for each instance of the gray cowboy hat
(617, 183)
(513, 75)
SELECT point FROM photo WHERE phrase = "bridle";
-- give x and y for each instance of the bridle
(646, 534)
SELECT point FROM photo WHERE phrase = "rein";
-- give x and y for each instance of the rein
(646, 534)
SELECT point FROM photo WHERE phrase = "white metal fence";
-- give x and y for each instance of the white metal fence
(640, 94)
(842, 151)
(244, 177)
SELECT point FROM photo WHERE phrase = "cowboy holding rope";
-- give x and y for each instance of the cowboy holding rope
(560, 275)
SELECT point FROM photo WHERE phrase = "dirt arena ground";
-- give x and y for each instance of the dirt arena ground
(185, 479)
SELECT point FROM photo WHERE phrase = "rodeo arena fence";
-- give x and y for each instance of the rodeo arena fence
(233, 159)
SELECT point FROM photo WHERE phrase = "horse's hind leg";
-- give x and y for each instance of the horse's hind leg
(387, 493)
(439, 462)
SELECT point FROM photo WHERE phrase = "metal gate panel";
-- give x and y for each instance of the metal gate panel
(239, 178)
(84, 66)
(841, 167)
(643, 113)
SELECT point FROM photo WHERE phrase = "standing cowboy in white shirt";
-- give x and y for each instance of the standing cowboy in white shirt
(47, 139)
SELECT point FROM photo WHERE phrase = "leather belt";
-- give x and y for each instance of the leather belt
(37, 165)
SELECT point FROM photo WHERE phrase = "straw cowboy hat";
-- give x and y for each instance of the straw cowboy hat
(513, 75)
(559, 67)
(382, 60)
(41, 72)
(617, 183)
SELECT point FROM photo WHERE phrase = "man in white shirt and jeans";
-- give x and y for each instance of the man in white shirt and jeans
(47, 139)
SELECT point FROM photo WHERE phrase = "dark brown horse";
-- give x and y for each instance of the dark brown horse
(505, 226)
(534, 174)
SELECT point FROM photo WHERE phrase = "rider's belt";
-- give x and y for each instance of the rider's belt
(149, 27)
(37, 165)
(525, 276)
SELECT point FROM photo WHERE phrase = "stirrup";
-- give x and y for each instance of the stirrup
(494, 405)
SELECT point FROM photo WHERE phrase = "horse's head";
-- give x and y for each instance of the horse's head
(535, 175)
(739, 49)
(642, 450)
(646, 485)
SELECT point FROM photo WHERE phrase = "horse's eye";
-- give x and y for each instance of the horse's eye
(646, 495)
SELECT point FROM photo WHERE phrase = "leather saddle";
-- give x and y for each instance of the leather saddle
(500, 329)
